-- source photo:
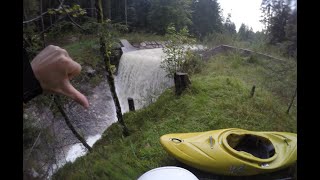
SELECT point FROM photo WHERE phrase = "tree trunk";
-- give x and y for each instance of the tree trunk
(119, 11)
(181, 82)
(125, 11)
(66, 118)
(131, 104)
(50, 5)
(25, 17)
(92, 8)
(110, 78)
(42, 25)
(252, 91)
(109, 9)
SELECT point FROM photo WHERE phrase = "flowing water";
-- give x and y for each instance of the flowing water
(139, 77)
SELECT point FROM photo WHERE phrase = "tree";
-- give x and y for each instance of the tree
(67, 120)
(106, 43)
(275, 17)
(93, 14)
(206, 17)
(280, 19)
(138, 11)
(30, 8)
(126, 11)
(291, 34)
(164, 12)
(245, 34)
(229, 26)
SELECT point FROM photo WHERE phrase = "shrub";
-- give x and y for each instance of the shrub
(193, 63)
(175, 50)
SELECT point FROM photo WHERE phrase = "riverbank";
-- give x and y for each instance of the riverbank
(219, 97)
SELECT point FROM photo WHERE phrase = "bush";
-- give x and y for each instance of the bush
(252, 59)
(174, 50)
(31, 41)
(193, 63)
(288, 48)
(63, 27)
(91, 27)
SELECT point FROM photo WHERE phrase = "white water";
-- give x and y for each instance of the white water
(141, 78)
(78, 150)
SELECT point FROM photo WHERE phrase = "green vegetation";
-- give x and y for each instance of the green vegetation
(219, 97)
(85, 52)
(168, 12)
(206, 18)
(175, 56)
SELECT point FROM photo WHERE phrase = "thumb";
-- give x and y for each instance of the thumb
(73, 93)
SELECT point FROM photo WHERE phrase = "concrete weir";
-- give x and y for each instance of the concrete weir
(126, 46)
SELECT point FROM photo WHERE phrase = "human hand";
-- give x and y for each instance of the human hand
(54, 68)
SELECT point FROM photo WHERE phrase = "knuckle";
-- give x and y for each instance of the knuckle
(63, 52)
(55, 48)
(63, 59)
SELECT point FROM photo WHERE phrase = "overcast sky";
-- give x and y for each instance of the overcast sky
(243, 11)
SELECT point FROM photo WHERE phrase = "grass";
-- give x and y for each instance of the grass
(262, 73)
(219, 97)
(86, 52)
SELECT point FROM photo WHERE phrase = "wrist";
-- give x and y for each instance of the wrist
(31, 85)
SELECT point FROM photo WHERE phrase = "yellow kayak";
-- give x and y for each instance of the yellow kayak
(233, 152)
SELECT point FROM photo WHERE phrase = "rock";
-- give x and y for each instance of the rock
(116, 46)
(34, 173)
(89, 71)
(136, 45)
(149, 46)
(73, 39)
(143, 44)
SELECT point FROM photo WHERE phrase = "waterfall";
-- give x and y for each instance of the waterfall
(141, 78)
